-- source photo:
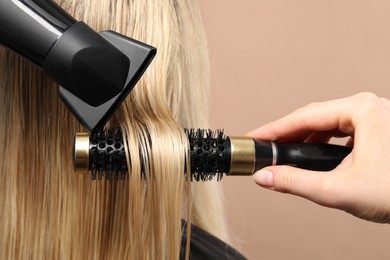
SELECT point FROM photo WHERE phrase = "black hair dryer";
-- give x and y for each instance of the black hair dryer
(95, 71)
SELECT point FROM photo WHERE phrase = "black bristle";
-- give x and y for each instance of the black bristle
(107, 156)
(93, 174)
(209, 154)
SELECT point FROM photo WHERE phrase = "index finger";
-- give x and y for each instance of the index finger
(316, 117)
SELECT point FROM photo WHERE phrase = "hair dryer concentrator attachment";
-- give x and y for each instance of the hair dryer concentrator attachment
(94, 116)
(95, 71)
(211, 154)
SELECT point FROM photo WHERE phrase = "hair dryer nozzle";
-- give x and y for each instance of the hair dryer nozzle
(94, 115)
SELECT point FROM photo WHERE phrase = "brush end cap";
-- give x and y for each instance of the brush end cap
(81, 153)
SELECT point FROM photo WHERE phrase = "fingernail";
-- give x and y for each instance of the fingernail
(264, 178)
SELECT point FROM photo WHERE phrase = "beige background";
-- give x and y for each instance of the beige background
(268, 58)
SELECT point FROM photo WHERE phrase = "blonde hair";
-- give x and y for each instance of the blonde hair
(49, 212)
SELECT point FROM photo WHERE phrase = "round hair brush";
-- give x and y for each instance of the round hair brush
(211, 154)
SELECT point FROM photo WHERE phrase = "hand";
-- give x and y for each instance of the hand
(360, 185)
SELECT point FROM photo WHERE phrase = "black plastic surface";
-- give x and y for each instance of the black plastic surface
(32, 27)
(318, 157)
(94, 117)
(263, 154)
(87, 65)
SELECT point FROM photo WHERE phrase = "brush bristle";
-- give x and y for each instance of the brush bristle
(107, 155)
(209, 154)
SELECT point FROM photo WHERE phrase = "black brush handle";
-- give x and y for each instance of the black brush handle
(317, 157)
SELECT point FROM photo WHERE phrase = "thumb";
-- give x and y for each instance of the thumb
(307, 184)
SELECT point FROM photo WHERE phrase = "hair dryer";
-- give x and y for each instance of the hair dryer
(95, 71)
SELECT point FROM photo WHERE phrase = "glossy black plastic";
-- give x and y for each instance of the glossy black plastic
(86, 64)
(32, 27)
(95, 117)
(317, 157)
(264, 156)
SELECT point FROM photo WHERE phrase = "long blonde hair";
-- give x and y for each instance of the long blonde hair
(49, 212)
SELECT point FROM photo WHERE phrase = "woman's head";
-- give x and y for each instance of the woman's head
(49, 212)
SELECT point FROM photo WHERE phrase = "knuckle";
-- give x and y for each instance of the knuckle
(366, 98)
(311, 105)
(367, 104)
(307, 109)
